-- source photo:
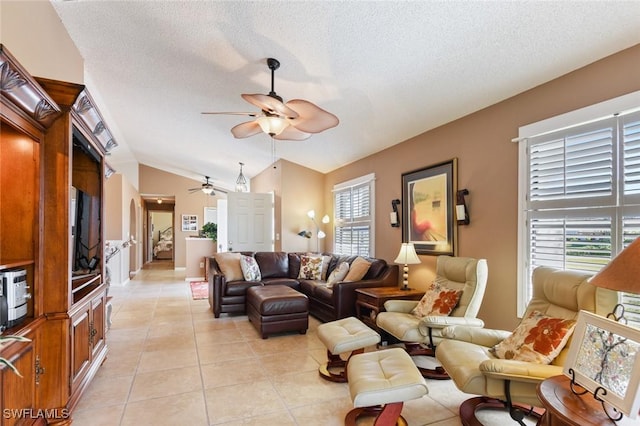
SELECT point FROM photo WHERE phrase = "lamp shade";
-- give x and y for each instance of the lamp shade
(407, 255)
(272, 125)
(623, 272)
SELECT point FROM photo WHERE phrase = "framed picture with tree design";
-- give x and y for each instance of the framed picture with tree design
(604, 359)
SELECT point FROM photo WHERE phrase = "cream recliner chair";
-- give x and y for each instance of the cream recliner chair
(512, 384)
(422, 335)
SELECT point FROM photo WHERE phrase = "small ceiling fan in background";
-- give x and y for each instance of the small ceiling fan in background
(294, 120)
(206, 187)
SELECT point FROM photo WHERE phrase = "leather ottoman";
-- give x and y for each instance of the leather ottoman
(277, 308)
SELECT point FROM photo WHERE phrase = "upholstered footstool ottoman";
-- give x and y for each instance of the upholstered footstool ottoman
(277, 308)
(342, 336)
(380, 382)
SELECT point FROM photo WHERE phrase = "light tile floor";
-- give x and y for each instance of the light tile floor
(171, 362)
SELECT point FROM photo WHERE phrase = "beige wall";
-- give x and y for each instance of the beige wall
(297, 190)
(488, 167)
(34, 34)
(118, 198)
(158, 182)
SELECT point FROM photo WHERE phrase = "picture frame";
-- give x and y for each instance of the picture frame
(428, 202)
(604, 358)
(189, 222)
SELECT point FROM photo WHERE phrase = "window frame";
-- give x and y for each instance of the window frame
(629, 103)
(369, 180)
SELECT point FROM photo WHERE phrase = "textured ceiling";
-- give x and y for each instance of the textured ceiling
(388, 69)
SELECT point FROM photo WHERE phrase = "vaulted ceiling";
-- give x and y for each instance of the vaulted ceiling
(389, 70)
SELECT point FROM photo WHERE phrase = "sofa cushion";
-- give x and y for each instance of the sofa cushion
(239, 288)
(375, 269)
(229, 264)
(289, 282)
(273, 264)
(316, 289)
(539, 338)
(358, 269)
(250, 268)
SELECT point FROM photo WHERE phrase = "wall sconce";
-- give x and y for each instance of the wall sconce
(462, 213)
(393, 216)
(305, 234)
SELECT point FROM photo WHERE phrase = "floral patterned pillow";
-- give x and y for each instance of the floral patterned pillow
(438, 300)
(310, 268)
(250, 268)
(539, 338)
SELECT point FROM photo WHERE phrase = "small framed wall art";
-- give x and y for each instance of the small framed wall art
(604, 358)
(189, 222)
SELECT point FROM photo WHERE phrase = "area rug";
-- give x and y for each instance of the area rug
(199, 289)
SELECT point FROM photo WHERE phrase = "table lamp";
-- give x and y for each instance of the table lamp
(406, 257)
(621, 274)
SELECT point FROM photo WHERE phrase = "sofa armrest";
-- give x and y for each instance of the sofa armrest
(479, 336)
(217, 287)
(507, 369)
(344, 293)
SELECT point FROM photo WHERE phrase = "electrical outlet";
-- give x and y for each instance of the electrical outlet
(202, 264)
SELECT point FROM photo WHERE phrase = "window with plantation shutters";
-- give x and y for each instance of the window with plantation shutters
(580, 199)
(354, 218)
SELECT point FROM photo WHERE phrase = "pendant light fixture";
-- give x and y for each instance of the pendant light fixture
(241, 182)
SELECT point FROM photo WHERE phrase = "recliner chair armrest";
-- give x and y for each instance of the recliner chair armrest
(403, 306)
(433, 321)
(507, 369)
(479, 336)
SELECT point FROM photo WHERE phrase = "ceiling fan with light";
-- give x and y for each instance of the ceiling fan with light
(294, 120)
(206, 187)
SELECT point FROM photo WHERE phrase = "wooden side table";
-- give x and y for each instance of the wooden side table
(564, 408)
(370, 301)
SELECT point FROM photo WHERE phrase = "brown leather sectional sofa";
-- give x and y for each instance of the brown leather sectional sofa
(326, 304)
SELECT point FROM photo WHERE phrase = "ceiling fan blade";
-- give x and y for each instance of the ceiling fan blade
(250, 114)
(311, 118)
(246, 129)
(270, 104)
(292, 134)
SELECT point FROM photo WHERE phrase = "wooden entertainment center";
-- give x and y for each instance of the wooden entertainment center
(52, 170)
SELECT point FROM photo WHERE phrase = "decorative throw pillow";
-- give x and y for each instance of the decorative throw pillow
(358, 269)
(310, 268)
(438, 300)
(338, 274)
(229, 264)
(539, 338)
(325, 267)
(250, 268)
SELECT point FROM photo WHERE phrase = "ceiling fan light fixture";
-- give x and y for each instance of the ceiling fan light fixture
(207, 190)
(241, 182)
(272, 125)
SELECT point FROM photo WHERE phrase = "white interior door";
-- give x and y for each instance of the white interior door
(250, 221)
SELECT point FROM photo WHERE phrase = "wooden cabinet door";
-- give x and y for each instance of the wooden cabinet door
(18, 392)
(98, 315)
(80, 345)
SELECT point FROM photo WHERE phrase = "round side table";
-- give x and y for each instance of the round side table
(564, 408)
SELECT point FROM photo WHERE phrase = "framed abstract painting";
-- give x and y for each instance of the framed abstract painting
(428, 197)
(604, 358)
